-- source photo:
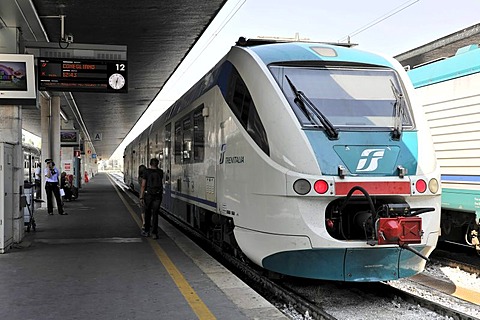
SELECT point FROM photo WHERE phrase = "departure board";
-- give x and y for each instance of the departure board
(81, 75)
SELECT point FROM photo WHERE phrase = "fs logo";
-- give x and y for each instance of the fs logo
(369, 159)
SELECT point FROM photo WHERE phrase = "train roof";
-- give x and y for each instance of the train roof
(273, 51)
(243, 42)
(465, 62)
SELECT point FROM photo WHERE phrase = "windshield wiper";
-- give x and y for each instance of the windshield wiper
(397, 113)
(309, 108)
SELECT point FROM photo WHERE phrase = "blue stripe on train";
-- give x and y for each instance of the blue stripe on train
(460, 178)
(464, 63)
(200, 200)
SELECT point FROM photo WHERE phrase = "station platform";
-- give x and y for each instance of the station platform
(93, 264)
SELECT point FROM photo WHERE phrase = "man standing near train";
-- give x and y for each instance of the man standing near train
(151, 193)
(52, 176)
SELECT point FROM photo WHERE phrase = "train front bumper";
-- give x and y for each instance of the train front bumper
(359, 264)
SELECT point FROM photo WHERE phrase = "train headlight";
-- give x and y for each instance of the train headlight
(321, 186)
(421, 186)
(302, 186)
(433, 185)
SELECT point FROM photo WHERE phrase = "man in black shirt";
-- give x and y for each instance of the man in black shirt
(151, 194)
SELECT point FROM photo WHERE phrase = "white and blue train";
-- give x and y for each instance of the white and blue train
(312, 160)
(449, 92)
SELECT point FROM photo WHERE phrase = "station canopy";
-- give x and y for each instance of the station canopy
(158, 36)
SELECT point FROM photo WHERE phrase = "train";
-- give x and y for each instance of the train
(307, 159)
(448, 90)
(31, 160)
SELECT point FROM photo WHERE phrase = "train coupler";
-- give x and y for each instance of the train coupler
(399, 230)
(402, 231)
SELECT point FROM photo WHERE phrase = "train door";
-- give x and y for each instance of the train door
(6, 198)
(220, 160)
(167, 198)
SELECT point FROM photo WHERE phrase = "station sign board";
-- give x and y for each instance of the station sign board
(69, 137)
(17, 79)
(82, 75)
(67, 166)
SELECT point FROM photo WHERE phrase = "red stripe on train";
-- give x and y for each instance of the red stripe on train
(374, 187)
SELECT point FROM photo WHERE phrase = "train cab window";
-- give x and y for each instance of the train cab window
(351, 97)
(240, 101)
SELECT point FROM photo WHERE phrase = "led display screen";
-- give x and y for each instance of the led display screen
(82, 75)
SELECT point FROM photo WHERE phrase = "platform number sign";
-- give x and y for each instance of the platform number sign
(84, 75)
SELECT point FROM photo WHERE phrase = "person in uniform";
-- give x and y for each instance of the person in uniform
(52, 176)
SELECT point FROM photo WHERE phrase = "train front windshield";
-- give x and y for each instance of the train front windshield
(349, 98)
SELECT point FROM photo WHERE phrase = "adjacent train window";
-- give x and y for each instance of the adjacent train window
(190, 137)
(240, 101)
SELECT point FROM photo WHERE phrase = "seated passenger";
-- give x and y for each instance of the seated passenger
(66, 186)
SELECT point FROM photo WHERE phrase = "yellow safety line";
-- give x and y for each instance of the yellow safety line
(448, 288)
(197, 305)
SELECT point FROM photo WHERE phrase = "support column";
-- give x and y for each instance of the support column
(50, 124)
(11, 134)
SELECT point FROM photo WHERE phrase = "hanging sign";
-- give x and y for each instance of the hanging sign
(82, 75)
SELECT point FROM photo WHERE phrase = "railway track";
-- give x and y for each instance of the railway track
(467, 262)
(319, 299)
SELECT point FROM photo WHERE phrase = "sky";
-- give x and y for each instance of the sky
(388, 27)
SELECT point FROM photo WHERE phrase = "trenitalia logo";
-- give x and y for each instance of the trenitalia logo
(369, 160)
(223, 148)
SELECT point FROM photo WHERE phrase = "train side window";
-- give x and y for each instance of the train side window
(198, 135)
(187, 143)
(168, 141)
(240, 101)
(178, 142)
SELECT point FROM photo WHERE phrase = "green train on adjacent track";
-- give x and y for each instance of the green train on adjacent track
(450, 94)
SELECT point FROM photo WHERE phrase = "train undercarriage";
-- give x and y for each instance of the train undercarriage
(215, 228)
(460, 227)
